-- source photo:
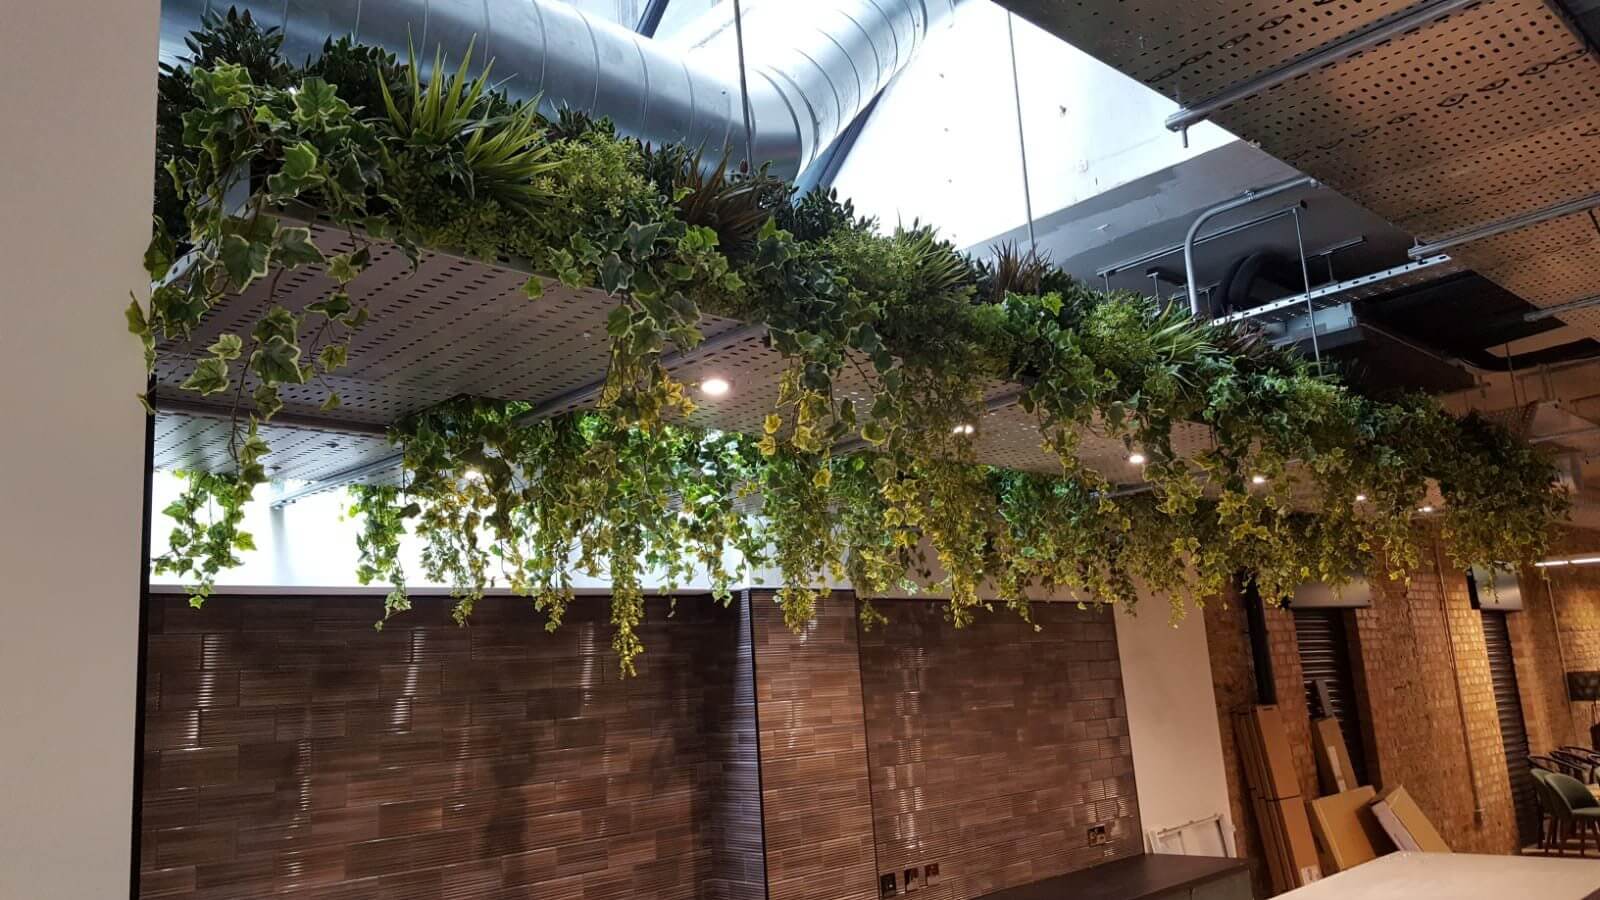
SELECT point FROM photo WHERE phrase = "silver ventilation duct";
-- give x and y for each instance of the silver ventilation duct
(812, 66)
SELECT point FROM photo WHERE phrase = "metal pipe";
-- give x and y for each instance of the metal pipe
(1564, 435)
(1455, 680)
(1154, 255)
(1510, 223)
(1560, 309)
(1245, 199)
(1350, 45)
(575, 397)
(813, 66)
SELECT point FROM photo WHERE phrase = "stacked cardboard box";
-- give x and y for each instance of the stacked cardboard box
(1275, 794)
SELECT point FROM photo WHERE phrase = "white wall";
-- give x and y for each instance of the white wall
(1172, 718)
(76, 156)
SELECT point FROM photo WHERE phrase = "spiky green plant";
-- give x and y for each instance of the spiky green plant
(502, 156)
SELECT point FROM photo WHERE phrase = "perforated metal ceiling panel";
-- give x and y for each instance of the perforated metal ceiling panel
(455, 327)
(302, 454)
(1488, 113)
(1481, 115)
(1194, 49)
(1547, 264)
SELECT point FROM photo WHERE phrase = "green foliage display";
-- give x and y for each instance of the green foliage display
(630, 494)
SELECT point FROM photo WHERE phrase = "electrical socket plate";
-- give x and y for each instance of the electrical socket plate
(1097, 835)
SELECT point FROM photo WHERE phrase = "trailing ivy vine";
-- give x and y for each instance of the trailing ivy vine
(1303, 478)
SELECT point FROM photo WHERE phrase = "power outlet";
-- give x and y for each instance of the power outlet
(1097, 835)
(913, 879)
(886, 885)
(930, 874)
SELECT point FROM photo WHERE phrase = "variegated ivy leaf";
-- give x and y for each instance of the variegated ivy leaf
(267, 401)
(210, 376)
(244, 260)
(227, 347)
(333, 357)
(294, 248)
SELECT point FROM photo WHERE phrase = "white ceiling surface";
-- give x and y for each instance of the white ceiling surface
(1491, 112)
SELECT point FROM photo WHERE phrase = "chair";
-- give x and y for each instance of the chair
(1549, 806)
(1575, 810)
(1578, 766)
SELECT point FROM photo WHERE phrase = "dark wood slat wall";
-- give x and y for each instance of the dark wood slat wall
(815, 793)
(995, 748)
(293, 750)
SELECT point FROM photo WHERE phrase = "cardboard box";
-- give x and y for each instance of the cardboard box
(1282, 782)
(1278, 870)
(1405, 824)
(1301, 848)
(1333, 757)
(1346, 830)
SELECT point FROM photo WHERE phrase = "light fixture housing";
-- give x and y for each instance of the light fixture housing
(1361, 498)
(964, 428)
(1258, 479)
(1136, 458)
(715, 386)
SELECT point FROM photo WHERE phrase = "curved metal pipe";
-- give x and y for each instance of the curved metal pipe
(1244, 199)
(812, 66)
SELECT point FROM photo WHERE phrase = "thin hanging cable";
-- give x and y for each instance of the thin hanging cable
(1305, 275)
(1022, 143)
(744, 88)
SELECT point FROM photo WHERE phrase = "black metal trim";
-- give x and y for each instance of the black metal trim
(748, 600)
(136, 819)
(1255, 619)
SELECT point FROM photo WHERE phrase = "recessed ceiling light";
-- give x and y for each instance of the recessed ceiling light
(963, 428)
(1361, 498)
(1425, 509)
(1258, 479)
(1136, 458)
(472, 475)
(715, 387)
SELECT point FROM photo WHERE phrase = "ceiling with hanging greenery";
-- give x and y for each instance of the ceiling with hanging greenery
(1304, 479)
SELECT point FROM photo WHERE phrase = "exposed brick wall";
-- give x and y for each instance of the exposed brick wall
(1569, 597)
(815, 793)
(292, 749)
(1406, 691)
(1233, 680)
(993, 748)
(1413, 717)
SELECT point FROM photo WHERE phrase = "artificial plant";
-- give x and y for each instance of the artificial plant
(1303, 479)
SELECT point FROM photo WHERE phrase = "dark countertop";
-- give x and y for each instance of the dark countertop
(1135, 878)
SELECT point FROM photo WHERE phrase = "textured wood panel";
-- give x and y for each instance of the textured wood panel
(815, 794)
(292, 750)
(996, 747)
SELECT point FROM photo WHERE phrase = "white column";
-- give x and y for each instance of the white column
(1172, 719)
(76, 156)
